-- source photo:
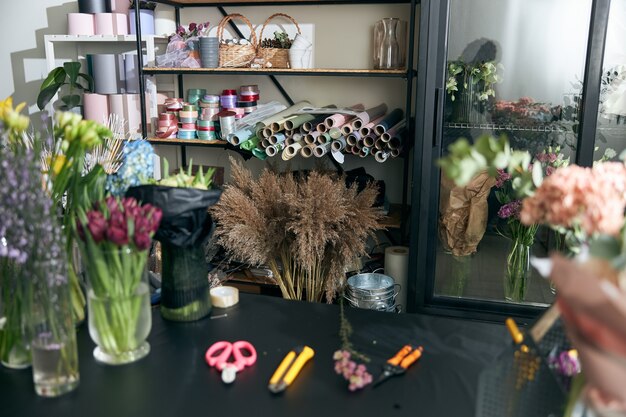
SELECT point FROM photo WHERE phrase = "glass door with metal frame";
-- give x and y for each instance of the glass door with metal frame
(514, 68)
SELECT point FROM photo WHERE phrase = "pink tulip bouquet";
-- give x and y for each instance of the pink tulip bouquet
(115, 237)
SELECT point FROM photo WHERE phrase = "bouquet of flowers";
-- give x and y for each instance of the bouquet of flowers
(115, 236)
(182, 48)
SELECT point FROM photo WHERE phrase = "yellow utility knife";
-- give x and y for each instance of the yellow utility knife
(289, 368)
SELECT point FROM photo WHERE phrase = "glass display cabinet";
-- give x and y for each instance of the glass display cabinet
(551, 77)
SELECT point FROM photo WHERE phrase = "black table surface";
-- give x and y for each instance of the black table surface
(174, 380)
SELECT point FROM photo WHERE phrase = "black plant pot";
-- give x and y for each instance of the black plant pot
(94, 6)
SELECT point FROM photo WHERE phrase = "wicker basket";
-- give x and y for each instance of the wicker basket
(278, 57)
(236, 56)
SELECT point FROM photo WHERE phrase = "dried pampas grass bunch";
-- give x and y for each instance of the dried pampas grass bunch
(308, 230)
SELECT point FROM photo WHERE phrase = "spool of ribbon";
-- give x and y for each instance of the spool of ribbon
(210, 114)
(246, 89)
(186, 134)
(244, 104)
(167, 132)
(211, 98)
(390, 120)
(227, 123)
(188, 126)
(229, 92)
(204, 135)
(188, 114)
(248, 97)
(173, 104)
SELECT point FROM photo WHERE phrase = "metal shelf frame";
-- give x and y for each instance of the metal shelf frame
(408, 74)
(433, 42)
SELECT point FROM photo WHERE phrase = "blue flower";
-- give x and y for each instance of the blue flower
(136, 169)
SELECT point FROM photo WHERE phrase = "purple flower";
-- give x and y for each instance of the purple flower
(97, 224)
(511, 209)
(502, 177)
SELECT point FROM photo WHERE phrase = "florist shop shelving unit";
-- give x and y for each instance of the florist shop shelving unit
(398, 214)
(549, 94)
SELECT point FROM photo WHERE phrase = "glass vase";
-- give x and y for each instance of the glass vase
(185, 291)
(14, 350)
(118, 303)
(50, 329)
(389, 44)
(517, 272)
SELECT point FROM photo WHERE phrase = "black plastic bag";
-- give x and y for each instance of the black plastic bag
(186, 221)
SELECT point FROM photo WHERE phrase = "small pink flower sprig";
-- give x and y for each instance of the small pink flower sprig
(355, 374)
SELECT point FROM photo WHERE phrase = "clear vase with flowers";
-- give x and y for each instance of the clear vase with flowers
(115, 237)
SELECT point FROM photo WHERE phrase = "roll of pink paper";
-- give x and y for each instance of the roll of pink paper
(104, 24)
(80, 24)
(132, 113)
(120, 24)
(120, 6)
(96, 107)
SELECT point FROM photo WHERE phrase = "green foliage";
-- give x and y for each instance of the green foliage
(69, 74)
(483, 74)
(464, 161)
(202, 180)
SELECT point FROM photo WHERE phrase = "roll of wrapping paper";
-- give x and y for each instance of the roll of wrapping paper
(279, 125)
(346, 129)
(298, 121)
(289, 141)
(322, 128)
(263, 144)
(338, 120)
(365, 130)
(242, 135)
(381, 156)
(359, 144)
(389, 121)
(334, 133)
(107, 72)
(272, 150)
(369, 140)
(370, 114)
(259, 153)
(321, 150)
(297, 137)
(396, 141)
(312, 125)
(94, 6)
(324, 138)
(364, 152)
(281, 115)
(356, 150)
(380, 145)
(80, 24)
(307, 151)
(96, 107)
(398, 127)
(277, 138)
(396, 152)
(353, 138)
(339, 144)
(291, 151)
(348, 149)
(250, 143)
(311, 138)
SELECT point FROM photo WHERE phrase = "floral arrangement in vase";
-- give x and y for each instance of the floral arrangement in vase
(115, 237)
(33, 277)
(482, 74)
(193, 30)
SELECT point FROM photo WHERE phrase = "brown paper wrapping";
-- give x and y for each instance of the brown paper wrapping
(463, 213)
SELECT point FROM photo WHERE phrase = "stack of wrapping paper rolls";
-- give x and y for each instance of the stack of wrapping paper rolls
(374, 132)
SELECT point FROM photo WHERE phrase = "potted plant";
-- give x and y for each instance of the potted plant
(69, 74)
(146, 15)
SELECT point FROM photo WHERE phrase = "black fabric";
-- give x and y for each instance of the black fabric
(185, 221)
(362, 178)
(174, 380)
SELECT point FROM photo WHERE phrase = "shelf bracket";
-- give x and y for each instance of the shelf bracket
(276, 83)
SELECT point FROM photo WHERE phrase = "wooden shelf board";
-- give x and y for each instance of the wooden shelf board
(176, 141)
(199, 3)
(100, 38)
(393, 220)
(278, 71)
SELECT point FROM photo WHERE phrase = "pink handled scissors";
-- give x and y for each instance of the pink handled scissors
(219, 354)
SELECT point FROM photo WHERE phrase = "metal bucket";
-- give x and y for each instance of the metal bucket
(372, 291)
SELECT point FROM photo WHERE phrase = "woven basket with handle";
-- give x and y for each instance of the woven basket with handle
(278, 57)
(236, 56)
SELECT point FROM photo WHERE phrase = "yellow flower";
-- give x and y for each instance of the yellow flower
(11, 117)
(57, 166)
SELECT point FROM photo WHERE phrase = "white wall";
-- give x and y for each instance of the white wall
(343, 39)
